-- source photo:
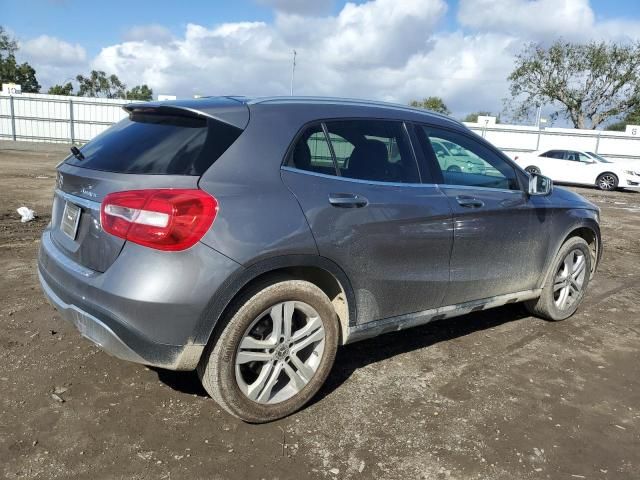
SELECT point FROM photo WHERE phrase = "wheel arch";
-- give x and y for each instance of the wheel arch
(320, 271)
(589, 230)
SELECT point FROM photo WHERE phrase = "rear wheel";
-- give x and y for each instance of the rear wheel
(566, 284)
(275, 352)
(533, 170)
(607, 181)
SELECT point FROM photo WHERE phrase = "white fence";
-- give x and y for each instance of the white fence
(62, 119)
(517, 139)
(56, 118)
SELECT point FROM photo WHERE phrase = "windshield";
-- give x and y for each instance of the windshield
(599, 158)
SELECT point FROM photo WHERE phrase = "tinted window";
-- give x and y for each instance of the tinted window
(465, 161)
(559, 154)
(312, 152)
(158, 144)
(376, 150)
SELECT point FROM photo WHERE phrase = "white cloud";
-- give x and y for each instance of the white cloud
(54, 60)
(544, 20)
(382, 49)
(152, 33)
(299, 7)
(538, 18)
(52, 51)
(337, 55)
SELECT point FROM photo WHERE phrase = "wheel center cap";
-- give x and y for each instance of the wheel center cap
(281, 352)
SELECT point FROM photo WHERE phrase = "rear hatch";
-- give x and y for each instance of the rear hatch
(158, 146)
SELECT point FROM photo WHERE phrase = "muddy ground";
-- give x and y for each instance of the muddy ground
(492, 395)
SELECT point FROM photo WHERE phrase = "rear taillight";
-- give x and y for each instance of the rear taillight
(165, 219)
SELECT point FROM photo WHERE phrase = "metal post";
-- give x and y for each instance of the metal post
(598, 141)
(71, 131)
(293, 71)
(13, 118)
(538, 141)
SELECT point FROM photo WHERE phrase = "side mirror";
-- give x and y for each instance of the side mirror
(540, 185)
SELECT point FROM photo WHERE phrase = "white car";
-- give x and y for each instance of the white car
(581, 168)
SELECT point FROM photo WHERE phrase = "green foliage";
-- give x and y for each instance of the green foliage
(632, 118)
(7, 44)
(66, 89)
(435, 104)
(589, 83)
(97, 84)
(473, 117)
(140, 92)
(13, 72)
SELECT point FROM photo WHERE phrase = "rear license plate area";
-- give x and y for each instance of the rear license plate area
(70, 220)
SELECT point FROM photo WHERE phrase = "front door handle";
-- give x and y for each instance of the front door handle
(469, 202)
(347, 200)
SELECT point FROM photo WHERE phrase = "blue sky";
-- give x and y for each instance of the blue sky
(386, 49)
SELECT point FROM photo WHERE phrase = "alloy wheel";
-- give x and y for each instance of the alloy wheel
(607, 182)
(280, 352)
(569, 280)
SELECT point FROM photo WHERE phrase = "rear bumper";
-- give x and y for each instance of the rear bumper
(134, 312)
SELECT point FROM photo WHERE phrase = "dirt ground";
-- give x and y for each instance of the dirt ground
(492, 395)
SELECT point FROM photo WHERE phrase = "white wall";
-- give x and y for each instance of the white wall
(38, 117)
(46, 118)
(516, 140)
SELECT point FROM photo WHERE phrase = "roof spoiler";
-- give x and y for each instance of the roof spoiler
(224, 116)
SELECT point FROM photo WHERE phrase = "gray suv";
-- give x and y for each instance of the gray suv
(249, 238)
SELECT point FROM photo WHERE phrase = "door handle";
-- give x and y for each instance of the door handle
(469, 202)
(347, 200)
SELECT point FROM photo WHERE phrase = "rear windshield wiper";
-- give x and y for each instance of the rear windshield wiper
(76, 152)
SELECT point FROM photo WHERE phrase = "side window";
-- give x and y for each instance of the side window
(557, 154)
(573, 156)
(312, 152)
(468, 162)
(376, 150)
(584, 158)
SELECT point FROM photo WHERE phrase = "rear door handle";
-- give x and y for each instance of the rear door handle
(469, 202)
(347, 200)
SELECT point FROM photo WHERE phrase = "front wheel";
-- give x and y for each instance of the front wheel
(607, 181)
(275, 352)
(566, 283)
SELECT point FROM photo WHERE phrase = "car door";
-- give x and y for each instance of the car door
(500, 232)
(390, 234)
(585, 170)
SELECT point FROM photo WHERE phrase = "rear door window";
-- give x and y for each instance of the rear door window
(375, 150)
(312, 152)
(158, 144)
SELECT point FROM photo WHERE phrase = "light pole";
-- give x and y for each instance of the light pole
(293, 71)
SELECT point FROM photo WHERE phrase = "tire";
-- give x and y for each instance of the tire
(245, 388)
(550, 305)
(607, 181)
(532, 169)
(454, 168)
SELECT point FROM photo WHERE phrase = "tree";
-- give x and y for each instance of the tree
(97, 84)
(12, 72)
(473, 117)
(435, 104)
(589, 83)
(140, 92)
(631, 118)
(65, 89)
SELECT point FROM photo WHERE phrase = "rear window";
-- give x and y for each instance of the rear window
(158, 144)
